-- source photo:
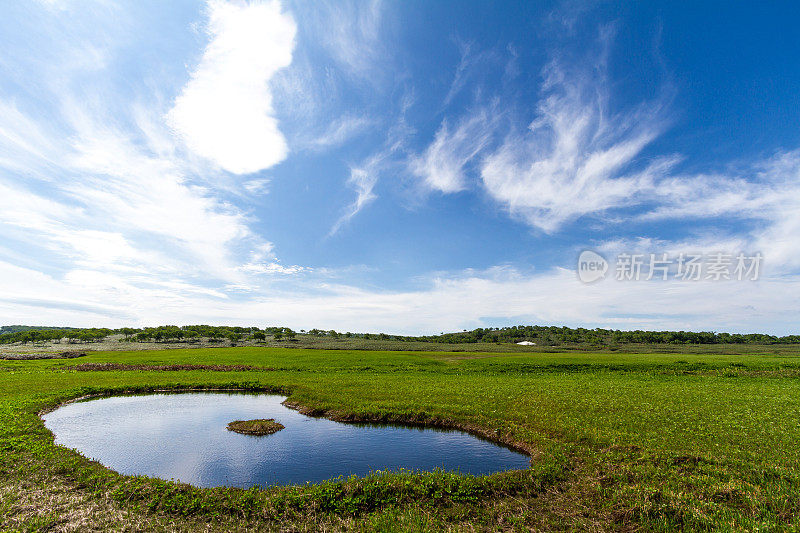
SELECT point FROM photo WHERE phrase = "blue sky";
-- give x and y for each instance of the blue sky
(409, 167)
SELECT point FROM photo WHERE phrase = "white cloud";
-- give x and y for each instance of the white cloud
(257, 186)
(363, 179)
(53, 4)
(85, 196)
(447, 304)
(273, 268)
(341, 130)
(442, 166)
(225, 111)
(129, 228)
(351, 33)
(25, 146)
(459, 78)
(137, 191)
(364, 176)
(554, 297)
(767, 192)
(575, 157)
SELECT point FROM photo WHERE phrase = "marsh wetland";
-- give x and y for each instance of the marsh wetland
(613, 441)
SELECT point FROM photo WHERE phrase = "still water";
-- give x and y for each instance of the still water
(184, 437)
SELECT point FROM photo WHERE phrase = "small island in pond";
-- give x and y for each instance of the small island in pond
(266, 426)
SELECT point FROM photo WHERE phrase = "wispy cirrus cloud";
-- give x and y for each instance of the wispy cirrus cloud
(580, 157)
(364, 175)
(143, 200)
(576, 157)
(459, 78)
(362, 179)
(342, 130)
(27, 148)
(352, 33)
(442, 166)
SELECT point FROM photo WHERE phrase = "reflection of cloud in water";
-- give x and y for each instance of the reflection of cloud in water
(183, 436)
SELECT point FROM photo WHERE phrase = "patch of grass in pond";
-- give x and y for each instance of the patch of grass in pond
(263, 426)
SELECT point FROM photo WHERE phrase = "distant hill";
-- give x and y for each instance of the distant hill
(17, 329)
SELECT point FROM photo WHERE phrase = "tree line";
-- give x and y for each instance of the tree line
(542, 335)
(212, 333)
(71, 335)
(189, 334)
(563, 335)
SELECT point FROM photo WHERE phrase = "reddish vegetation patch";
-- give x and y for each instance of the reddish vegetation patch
(95, 367)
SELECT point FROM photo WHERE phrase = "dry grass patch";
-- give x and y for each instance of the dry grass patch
(59, 507)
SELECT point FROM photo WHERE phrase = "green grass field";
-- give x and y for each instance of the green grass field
(619, 441)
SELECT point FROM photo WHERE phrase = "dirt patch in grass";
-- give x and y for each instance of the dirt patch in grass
(263, 426)
(100, 367)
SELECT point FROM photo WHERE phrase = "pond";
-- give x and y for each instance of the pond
(184, 437)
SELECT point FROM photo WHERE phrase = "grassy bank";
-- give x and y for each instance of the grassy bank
(619, 441)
